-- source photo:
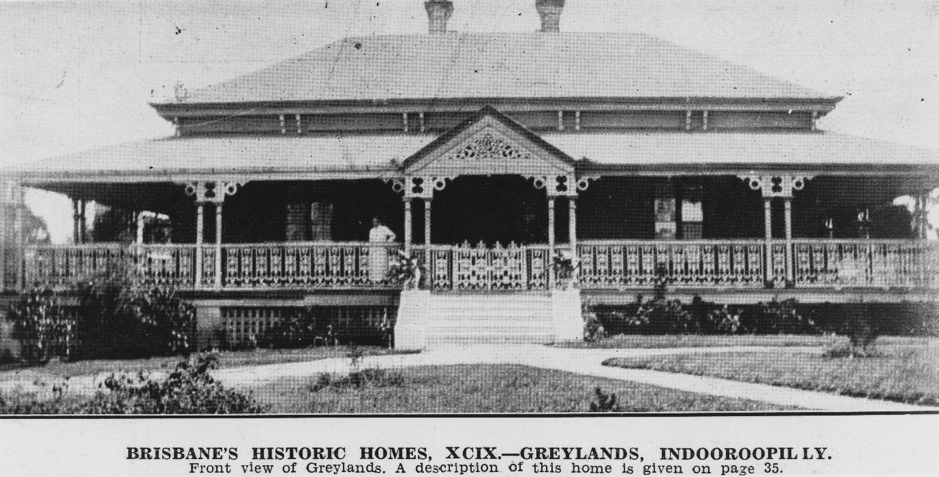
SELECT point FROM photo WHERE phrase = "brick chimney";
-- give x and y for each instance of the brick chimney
(438, 13)
(550, 11)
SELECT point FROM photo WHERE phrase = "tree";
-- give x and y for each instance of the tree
(35, 230)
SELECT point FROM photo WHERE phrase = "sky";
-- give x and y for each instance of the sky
(78, 75)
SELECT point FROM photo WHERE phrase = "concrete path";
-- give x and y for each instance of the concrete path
(586, 362)
(578, 361)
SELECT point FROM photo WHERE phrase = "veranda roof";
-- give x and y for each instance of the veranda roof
(738, 152)
(498, 65)
(369, 156)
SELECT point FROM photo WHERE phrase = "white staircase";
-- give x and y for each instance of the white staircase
(491, 318)
(436, 320)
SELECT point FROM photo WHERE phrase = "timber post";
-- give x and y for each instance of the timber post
(782, 186)
(213, 192)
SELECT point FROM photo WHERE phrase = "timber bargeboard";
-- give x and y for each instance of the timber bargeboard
(489, 143)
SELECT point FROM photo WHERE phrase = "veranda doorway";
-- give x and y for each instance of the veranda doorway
(490, 209)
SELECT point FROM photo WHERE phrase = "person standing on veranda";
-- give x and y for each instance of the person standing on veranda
(378, 255)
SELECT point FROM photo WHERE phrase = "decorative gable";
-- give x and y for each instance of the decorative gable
(489, 143)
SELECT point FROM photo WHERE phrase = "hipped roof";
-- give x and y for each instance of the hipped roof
(500, 65)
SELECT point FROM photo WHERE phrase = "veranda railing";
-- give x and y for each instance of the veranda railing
(283, 265)
(307, 264)
(623, 263)
(604, 264)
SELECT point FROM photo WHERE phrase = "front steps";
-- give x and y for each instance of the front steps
(432, 320)
(517, 318)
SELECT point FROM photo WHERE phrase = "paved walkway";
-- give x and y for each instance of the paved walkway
(578, 361)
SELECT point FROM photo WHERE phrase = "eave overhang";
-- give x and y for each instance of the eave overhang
(172, 110)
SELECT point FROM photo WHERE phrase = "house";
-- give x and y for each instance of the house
(488, 155)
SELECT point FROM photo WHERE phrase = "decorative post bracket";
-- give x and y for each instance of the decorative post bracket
(776, 186)
(561, 185)
(419, 187)
(773, 186)
(212, 191)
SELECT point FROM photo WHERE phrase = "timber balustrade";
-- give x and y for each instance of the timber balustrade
(471, 268)
(874, 263)
(603, 264)
(817, 263)
(305, 265)
(63, 266)
(621, 263)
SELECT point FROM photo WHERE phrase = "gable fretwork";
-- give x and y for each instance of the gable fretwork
(489, 143)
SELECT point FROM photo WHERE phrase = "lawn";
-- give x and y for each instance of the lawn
(485, 389)
(697, 341)
(903, 369)
(227, 360)
(712, 341)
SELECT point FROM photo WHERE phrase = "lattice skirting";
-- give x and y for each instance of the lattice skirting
(245, 326)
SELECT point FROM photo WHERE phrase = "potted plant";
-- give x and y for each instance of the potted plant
(565, 264)
(406, 270)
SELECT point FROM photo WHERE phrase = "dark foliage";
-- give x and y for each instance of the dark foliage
(777, 317)
(369, 377)
(593, 328)
(119, 318)
(42, 327)
(603, 402)
(189, 389)
(115, 318)
(662, 315)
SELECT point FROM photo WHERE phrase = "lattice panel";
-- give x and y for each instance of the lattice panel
(246, 326)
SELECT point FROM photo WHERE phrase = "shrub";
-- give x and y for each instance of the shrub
(603, 402)
(358, 378)
(189, 389)
(861, 329)
(593, 328)
(726, 319)
(42, 327)
(658, 315)
(778, 317)
(120, 318)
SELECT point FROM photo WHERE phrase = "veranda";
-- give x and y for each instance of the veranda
(500, 232)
